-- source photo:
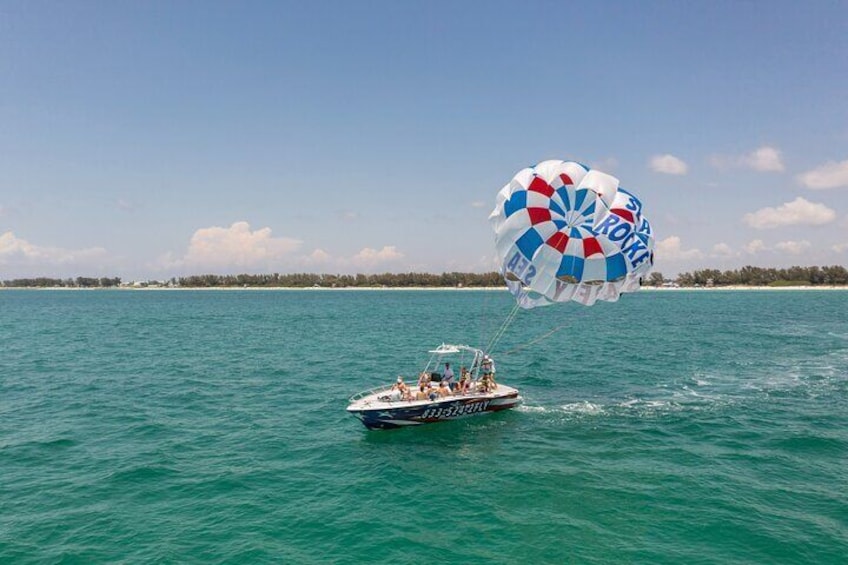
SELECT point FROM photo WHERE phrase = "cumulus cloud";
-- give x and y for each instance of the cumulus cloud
(235, 248)
(672, 248)
(765, 159)
(367, 259)
(238, 248)
(793, 247)
(370, 258)
(18, 252)
(799, 212)
(722, 250)
(829, 175)
(668, 164)
(755, 246)
(319, 256)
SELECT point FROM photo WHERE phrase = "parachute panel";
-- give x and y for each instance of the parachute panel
(564, 232)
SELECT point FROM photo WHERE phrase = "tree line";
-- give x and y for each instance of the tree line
(746, 276)
(759, 276)
(79, 282)
(308, 280)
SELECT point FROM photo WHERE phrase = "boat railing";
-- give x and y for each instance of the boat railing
(370, 391)
(474, 390)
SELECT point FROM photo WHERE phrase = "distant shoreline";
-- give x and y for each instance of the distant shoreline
(743, 287)
(408, 288)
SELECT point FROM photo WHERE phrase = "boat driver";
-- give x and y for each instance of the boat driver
(447, 376)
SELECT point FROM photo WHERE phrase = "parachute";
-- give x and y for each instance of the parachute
(566, 232)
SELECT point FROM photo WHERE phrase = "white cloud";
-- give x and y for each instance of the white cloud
(668, 164)
(797, 212)
(224, 250)
(839, 248)
(20, 253)
(755, 246)
(829, 175)
(722, 250)
(319, 256)
(370, 258)
(765, 159)
(365, 260)
(238, 248)
(672, 248)
(793, 247)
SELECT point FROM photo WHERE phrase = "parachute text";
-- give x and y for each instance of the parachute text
(614, 228)
(632, 247)
(519, 266)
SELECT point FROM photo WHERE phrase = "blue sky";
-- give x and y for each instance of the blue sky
(155, 139)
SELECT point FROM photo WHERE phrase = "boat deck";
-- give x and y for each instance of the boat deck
(382, 398)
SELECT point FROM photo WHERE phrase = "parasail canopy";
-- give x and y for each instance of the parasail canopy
(566, 232)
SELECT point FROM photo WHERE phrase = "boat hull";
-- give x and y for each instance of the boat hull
(398, 414)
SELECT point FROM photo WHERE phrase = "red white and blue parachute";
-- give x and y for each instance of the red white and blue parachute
(566, 232)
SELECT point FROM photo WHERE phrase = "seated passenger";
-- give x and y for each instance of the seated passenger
(487, 384)
(423, 393)
(405, 392)
(424, 378)
(464, 381)
(444, 390)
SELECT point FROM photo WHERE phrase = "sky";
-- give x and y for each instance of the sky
(148, 140)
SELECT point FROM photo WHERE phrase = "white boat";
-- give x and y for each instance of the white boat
(386, 407)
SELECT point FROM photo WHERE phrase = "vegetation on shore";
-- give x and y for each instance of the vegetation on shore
(295, 280)
(746, 276)
(48, 282)
(835, 275)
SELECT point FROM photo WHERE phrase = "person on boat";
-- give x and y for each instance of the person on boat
(487, 382)
(400, 389)
(424, 378)
(444, 390)
(486, 367)
(464, 381)
(447, 376)
(423, 392)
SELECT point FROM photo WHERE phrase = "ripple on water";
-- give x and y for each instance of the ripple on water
(210, 427)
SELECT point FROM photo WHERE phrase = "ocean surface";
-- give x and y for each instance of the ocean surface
(210, 427)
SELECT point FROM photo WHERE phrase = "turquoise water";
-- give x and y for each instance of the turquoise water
(209, 427)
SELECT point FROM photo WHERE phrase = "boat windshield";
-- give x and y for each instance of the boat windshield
(459, 356)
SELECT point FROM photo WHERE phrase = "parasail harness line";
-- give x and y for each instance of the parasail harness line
(533, 341)
(502, 330)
